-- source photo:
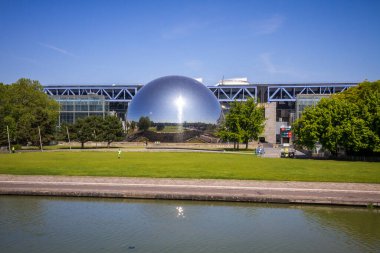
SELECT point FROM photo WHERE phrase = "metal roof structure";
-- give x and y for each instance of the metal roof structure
(229, 93)
(122, 93)
(285, 93)
(225, 93)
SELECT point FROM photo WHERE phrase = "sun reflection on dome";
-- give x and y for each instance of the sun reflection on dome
(180, 103)
(179, 108)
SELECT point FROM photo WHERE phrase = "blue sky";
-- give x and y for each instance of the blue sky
(124, 42)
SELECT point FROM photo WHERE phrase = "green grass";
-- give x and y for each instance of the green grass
(78, 147)
(168, 129)
(186, 165)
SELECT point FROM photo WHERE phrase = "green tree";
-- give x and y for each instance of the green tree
(112, 130)
(97, 127)
(308, 127)
(349, 120)
(144, 123)
(23, 108)
(61, 132)
(82, 131)
(90, 128)
(230, 129)
(160, 126)
(252, 121)
(367, 97)
(3, 114)
(244, 122)
(133, 126)
(127, 126)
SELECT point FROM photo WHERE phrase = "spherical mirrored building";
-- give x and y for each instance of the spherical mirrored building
(179, 109)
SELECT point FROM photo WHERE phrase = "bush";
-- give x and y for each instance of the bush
(17, 146)
(160, 127)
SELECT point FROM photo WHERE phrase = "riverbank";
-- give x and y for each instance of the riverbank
(352, 194)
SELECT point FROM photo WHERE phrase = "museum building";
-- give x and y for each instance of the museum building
(178, 100)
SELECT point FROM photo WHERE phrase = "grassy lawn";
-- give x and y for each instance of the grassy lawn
(168, 129)
(186, 165)
(55, 147)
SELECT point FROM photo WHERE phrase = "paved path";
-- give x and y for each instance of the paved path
(222, 190)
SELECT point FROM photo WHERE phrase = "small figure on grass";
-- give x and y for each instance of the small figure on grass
(119, 153)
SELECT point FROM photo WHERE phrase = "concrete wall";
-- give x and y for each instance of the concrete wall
(270, 122)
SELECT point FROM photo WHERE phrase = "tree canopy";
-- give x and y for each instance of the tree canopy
(244, 122)
(23, 108)
(96, 128)
(349, 120)
(83, 130)
(112, 129)
(144, 123)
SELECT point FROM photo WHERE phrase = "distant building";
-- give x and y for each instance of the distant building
(283, 102)
(74, 107)
(234, 81)
(306, 100)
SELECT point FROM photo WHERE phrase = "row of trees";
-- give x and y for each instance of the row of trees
(349, 121)
(243, 123)
(93, 128)
(143, 124)
(26, 113)
(24, 109)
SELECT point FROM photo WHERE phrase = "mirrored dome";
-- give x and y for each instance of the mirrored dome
(176, 104)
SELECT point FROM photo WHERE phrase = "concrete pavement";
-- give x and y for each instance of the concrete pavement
(194, 189)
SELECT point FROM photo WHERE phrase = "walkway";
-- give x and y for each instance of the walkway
(189, 189)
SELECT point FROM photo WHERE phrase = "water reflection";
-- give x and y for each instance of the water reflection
(176, 105)
(97, 225)
(180, 212)
(353, 225)
(163, 99)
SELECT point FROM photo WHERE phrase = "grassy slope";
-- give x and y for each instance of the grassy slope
(186, 165)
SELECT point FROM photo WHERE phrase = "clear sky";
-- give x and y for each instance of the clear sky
(125, 42)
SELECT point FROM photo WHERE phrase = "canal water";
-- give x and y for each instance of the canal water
(44, 224)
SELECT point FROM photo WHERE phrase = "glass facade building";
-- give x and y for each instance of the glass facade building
(306, 100)
(283, 102)
(74, 107)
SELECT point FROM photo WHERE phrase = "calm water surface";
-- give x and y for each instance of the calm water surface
(41, 224)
